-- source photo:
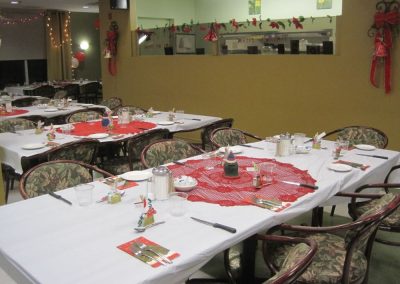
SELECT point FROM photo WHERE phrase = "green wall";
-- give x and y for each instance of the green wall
(83, 28)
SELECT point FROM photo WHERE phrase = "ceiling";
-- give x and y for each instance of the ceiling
(67, 5)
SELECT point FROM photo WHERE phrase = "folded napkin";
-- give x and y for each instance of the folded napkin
(121, 183)
(128, 247)
(272, 205)
(362, 167)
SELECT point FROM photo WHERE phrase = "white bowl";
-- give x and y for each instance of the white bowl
(185, 183)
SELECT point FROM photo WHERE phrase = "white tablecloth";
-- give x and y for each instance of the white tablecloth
(47, 241)
(11, 144)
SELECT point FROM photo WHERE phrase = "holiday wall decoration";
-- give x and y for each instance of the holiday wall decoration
(110, 52)
(386, 20)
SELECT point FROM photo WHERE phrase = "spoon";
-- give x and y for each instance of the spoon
(142, 229)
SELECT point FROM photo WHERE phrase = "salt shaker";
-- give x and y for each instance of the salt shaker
(161, 182)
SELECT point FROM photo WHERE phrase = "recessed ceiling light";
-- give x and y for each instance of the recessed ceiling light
(85, 7)
(15, 2)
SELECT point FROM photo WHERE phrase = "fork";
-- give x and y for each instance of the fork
(143, 247)
(265, 202)
(139, 252)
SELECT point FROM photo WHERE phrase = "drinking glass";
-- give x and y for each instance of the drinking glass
(84, 194)
(177, 203)
(267, 171)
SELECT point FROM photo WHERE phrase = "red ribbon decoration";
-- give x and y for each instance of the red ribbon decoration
(383, 22)
(111, 42)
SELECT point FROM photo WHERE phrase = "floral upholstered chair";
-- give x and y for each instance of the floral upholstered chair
(132, 110)
(9, 124)
(56, 175)
(112, 103)
(83, 115)
(167, 151)
(339, 259)
(83, 150)
(222, 137)
(134, 148)
(361, 135)
(389, 224)
(206, 143)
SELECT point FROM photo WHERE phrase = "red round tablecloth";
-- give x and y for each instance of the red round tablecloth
(87, 128)
(14, 112)
(213, 187)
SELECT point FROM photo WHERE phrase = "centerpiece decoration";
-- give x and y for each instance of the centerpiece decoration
(231, 167)
(39, 127)
(51, 135)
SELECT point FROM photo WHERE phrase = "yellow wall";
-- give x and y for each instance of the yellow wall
(265, 94)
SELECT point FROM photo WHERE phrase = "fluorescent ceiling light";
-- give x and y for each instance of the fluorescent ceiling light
(15, 2)
(85, 7)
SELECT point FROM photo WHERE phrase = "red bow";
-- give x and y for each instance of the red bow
(391, 18)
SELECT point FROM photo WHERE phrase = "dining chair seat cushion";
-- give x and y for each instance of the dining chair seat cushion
(361, 135)
(295, 254)
(120, 165)
(55, 177)
(393, 220)
(327, 264)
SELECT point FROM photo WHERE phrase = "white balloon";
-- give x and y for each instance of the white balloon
(74, 62)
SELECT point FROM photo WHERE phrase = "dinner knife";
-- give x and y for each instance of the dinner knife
(300, 184)
(374, 156)
(197, 119)
(182, 164)
(216, 225)
(59, 197)
(251, 146)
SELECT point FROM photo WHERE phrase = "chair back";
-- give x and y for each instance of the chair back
(137, 143)
(82, 115)
(361, 135)
(61, 94)
(132, 110)
(167, 151)
(90, 92)
(112, 103)
(9, 124)
(56, 175)
(44, 91)
(206, 143)
(297, 260)
(361, 234)
(222, 137)
(84, 150)
(72, 90)
(24, 102)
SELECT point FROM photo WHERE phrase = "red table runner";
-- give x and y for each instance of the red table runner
(213, 187)
(14, 112)
(87, 128)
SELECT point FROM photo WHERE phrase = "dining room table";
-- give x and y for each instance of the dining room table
(28, 143)
(47, 241)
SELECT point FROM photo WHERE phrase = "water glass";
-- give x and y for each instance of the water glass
(344, 146)
(299, 139)
(336, 151)
(84, 194)
(267, 171)
(177, 203)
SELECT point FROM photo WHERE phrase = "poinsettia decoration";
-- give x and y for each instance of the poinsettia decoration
(386, 20)
(211, 35)
(276, 24)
